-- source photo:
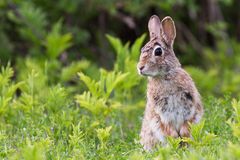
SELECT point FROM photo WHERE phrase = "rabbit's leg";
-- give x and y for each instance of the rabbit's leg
(185, 130)
(148, 140)
(169, 130)
(151, 133)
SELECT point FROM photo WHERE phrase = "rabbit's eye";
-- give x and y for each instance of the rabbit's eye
(158, 51)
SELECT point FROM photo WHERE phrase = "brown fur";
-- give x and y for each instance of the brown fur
(172, 98)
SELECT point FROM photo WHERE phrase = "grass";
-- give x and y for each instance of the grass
(52, 111)
(48, 123)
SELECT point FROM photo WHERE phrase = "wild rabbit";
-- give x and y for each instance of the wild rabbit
(172, 98)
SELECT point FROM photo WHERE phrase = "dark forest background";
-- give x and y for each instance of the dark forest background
(200, 24)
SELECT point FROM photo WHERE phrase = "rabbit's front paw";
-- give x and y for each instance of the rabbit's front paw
(147, 145)
(185, 130)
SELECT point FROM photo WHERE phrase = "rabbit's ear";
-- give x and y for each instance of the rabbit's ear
(168, 30)
(154, 27)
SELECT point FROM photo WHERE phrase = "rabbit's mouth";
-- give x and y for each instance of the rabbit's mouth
(150, 70)
(142, 72)
(149, 74)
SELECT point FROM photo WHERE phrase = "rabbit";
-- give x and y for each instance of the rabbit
(173, 101)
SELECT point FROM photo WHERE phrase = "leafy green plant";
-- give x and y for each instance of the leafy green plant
(8, 89)
(103, 135)
(46, 113)
(222, 68)
(35, 151)
(32, 21)
(199, 137)
(70, 71)
(235, 124)
(57, 43)
(234, 147)
(126, 60)
(76, 137)
(99, 92)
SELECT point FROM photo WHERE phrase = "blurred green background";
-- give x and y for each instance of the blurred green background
(69, 87)
(208, 33)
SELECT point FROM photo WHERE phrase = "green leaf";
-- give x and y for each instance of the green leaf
(135, 49)
(34, 22)
(92, 85)
(56, 43)
(111, 80)
(103, 135)
(91, 103)
(6, 75)
(197, 131)
(115, 42)
(70, 71)
(122, 52)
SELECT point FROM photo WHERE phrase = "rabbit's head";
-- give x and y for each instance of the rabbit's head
(157, 57)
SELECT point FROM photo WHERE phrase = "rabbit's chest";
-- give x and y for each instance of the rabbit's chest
(174, 109)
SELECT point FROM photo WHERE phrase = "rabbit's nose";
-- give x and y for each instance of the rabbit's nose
(141, 68)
